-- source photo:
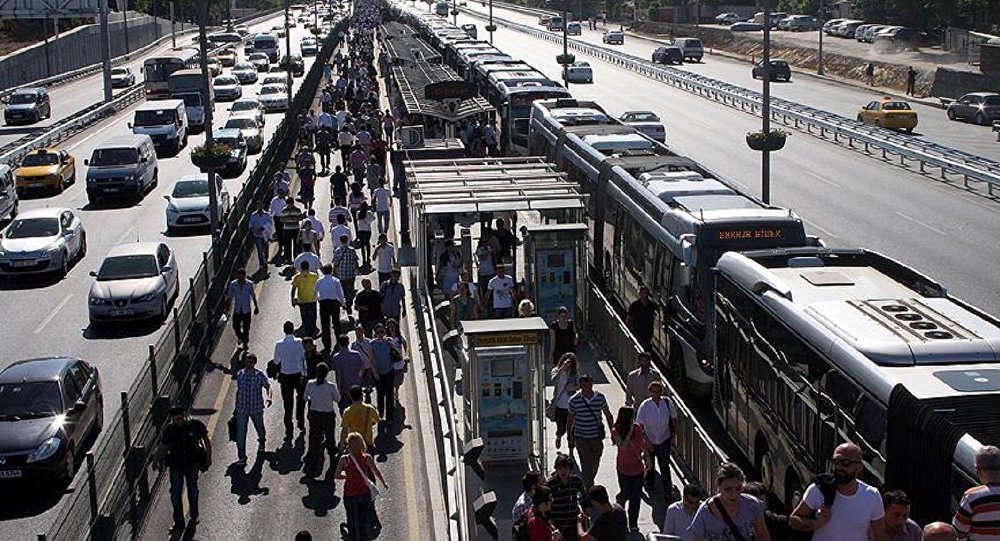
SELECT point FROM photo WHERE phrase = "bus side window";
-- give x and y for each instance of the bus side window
(871, 422)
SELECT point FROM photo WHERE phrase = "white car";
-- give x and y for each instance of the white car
(46, 240)
(250, 127)
(260, 61)
(188, 206)
(135, 281)
(245, 73)
(579, 72)
(274, 98)
(308, 47)
(728, 17)
(249, 106)
(122, 77)
(278, 30)
(646, 123)
(277, 78)
(227, 88)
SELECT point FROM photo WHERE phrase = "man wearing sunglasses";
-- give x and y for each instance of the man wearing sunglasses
(855, 513)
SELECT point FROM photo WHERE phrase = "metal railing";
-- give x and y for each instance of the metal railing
(111, 497)
(694, 452)
(870, 140)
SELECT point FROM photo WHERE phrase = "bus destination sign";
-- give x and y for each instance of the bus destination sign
(750, 233)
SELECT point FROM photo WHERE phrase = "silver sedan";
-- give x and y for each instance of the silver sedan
(40, 241)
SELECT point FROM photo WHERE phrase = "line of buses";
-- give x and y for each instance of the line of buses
(800, 346)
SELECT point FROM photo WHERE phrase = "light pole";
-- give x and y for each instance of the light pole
(213, 196)
(765, 108)
(822, 20)
(491, 27)
(454, 12)
(173, 26)
(288, 53)
(565, 56)
(125, 22)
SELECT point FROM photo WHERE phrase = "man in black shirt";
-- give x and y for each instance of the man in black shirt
(368, 302)
(185, 449)
(610, 525)
(640, 318)
(338, 180)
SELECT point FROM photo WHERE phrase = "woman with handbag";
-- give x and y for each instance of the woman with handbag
(729, 515)
(400, 360)
(565, 380)
(357, 469)
(630, 439)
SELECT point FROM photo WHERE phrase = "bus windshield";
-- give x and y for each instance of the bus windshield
(157, 70)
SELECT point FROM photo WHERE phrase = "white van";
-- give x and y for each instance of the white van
(691, 48)
(165, 122)
(8, 193)
(267, 44)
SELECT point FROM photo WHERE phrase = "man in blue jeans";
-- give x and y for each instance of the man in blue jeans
(657, 417)
(185, 449)
(262, 229)
(250, 401)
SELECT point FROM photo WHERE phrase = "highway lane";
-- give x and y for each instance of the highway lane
(805, 89)
(50, 317)
(79, 94)
(848, 200)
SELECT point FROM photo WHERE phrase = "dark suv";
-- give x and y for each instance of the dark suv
(780, 70)
(27, 106)
(49, 409)
(668, 55)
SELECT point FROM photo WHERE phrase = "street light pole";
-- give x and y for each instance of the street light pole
(288, 52)
(822, 20)
(454, 12)
(565, 46)
(491, 22)
(213, 196)
(125, 22)
(173, 26)
(765, 109)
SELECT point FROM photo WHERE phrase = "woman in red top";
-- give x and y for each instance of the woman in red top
(539, 527)
(357, 469)
(631, 441)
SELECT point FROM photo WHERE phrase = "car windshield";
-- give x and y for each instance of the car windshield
(274, 80)
(896, 106)
(642, 117)
(231, 142)
(20, 99)
(119, 71)
(155, 118)
(48, 158)
(190, 188)
(30, 399)
(29, 228)
(114, 156)
(272, 90)
(243, 67)
(128, 267)
(992, 100)
(244, 106)
(241, 123)
(226, 81)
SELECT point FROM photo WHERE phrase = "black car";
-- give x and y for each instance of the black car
(668, 55)
(49, 408)
(780, 70)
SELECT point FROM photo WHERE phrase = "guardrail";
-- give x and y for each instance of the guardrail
(816, 122)
(118, 60)
(696, 455)
(110, 499)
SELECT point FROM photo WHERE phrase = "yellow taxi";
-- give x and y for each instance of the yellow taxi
(45, 169)
(227, 57)
(889, 112)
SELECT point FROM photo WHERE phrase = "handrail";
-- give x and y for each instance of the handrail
(813, 121)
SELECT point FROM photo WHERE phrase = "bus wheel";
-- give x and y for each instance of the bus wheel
(764, 461)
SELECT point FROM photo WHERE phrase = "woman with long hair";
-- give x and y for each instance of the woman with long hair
(358, 470)
(363, 227)
(631, 441)
(565, 379)
(355, 198)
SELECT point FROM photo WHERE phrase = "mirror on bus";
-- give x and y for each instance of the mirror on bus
(684, 275)
(687, 249)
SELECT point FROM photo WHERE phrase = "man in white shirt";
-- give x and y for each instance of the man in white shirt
(330, 294)
(383, 205)
(323, 398)
(341, 117)
(502, 287)
(657, 417)
(324, 120)
(680, 514)
(290, 357)
(845, 509)
(317, 225)
(341, 228)
(307, 256)
(262, 228)
(638, 380)
(385, 258)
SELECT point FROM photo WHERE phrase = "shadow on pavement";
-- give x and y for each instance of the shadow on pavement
(247, 483)
(321, 497)
(288, 458)
(32, 499)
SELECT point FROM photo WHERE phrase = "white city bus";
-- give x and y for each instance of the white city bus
(157, 70)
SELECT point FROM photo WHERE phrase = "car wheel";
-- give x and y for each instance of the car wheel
(13, 210)
(878, 123)
(61, 187)
(981, 119)
(64, 266)
(861, 120)
(951, 114)
(69, 464)
(83, 248)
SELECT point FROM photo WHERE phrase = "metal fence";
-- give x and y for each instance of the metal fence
(112, 496)
(694, 451)
(870, 140)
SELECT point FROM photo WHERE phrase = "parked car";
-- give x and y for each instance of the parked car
(669, 54)
(249, 106)
(746, 27)
(227, 88)
(728, 17)
(894, 34)
(248, 124)
(45, 169)
(890, 113)
(574, 29)
(136, 281)
(579, 72)
(188, 202)
(780, 70)
(27, 106)
(828, 25)
(50, 408)
(646, 123)
(846, 29)
(233, 138)
(798, 23)
(245, 73)
(42, 241)
(980, 107)
(613, 37)
(122, 77)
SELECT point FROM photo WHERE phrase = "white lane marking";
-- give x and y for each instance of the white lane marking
(823, 179)
(921, 223)
(125, 235)
(824, 231)
(55, 311)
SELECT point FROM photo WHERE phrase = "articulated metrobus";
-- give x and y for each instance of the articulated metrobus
(157, 70)
(657, 219)
(815, 347)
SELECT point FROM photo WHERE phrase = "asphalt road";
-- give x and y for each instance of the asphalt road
(820, 93)
(76, 95)
(847, 199)
(49, 317)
